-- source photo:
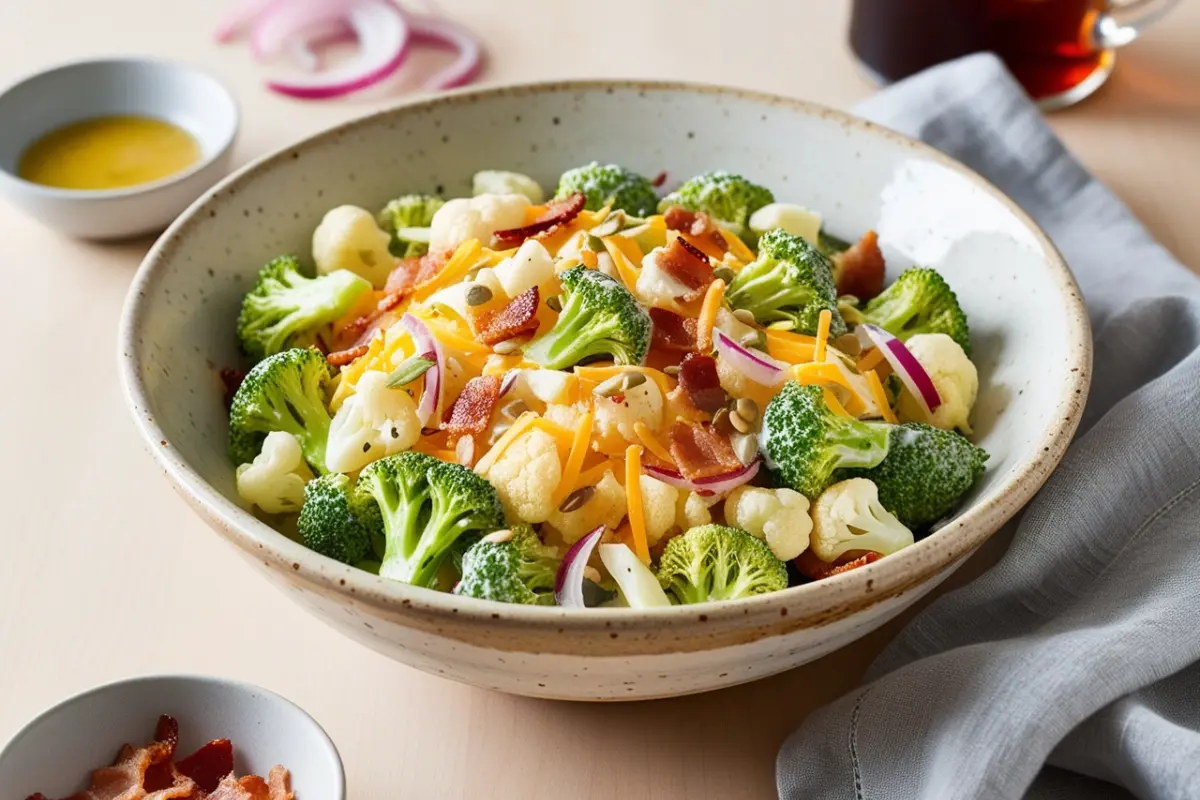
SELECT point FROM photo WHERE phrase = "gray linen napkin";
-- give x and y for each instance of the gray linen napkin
(1081, 648)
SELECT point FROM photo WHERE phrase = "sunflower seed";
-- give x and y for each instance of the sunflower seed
(478, 294)
(632, 380)
(725, 274)
(554, 303)
(464, 451)
(592, 574)
(745, 447)
(611, 224)
(848, 343)
(609, 386)
(576, 499)
(671, 370)
(744, 315)
(739, 422)
(721, 421)
(498, 537)
(507, 347)
(747, 409)
(782, 325)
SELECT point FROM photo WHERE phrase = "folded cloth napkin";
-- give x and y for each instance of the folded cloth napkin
(1071, 668)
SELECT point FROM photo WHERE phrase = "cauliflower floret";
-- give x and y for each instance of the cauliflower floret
(794, 219)
(372, 423)
(349, 238)
(692, 510)
(497, 181)
(848, 516)
(525, 476)
(658, 507)
(777, 516)
(475, 218)
(275, 480)
(643, 403)
(530, 266)
(954, 377)
(606, 507)
(656, 287)
(566, 415)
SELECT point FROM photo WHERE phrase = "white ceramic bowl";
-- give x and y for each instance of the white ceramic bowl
(57, 751)
(36, 105)
(1030, 335)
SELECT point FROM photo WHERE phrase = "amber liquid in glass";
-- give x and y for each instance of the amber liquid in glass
(1045, 43)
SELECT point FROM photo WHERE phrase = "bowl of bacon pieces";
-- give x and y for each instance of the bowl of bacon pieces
(173, 736)
(526, 394)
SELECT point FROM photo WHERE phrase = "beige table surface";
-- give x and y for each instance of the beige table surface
(105, 573)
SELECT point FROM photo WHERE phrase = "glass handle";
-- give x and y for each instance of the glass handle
(1124, 20)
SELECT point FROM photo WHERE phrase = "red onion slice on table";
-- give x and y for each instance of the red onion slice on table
(905, 365)
(757, 366)
(431, 396)
(717, 484)
(568, 582)
(438, 31)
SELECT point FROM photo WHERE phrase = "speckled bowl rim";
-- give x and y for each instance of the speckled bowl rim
(230, 685)
(809, 604)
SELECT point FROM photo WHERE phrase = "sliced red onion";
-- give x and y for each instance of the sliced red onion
(509, 381)
(383, 38)
(904, 363)
(240, 18)
(303, 47)
(438, 31)
(717, 484)
(281, 20)
(431, 396)
(568, 582)
(757, 366)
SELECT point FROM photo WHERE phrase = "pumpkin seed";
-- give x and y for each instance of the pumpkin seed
(632, 380)
(576, 499)
(611, 224)
(725, 274)
(747, 409)
(409, 370)
(554, 303)
(848, 343)
(595, 244)
(498, 537)
(745, 447)
(610, 386)
(507, 347)
(739, 422)
(782, 325)
(478, 294)
(744, 315)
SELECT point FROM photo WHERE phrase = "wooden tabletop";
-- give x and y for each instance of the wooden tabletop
(105, 573)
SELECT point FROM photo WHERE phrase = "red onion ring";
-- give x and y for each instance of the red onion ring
(437, 31)
(431, 396)
(758, 367)
(568, 581)
(717, 484)
(905, 365)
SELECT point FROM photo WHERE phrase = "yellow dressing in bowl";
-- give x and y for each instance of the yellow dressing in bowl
(109, 153)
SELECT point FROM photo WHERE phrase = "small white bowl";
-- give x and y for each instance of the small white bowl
(57, 751)
(36, 105)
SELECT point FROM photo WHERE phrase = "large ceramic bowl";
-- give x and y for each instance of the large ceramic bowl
(1030, 334)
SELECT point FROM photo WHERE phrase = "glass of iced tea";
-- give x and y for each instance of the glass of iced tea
(1060, 50)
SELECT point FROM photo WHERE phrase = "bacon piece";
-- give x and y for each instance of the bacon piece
(859, 270)
(410, 273)
(279, 784)
(472, 410)
(815, 569)
(672, 332)
(126, 778)
(558, 212)
(208, 765)
(231, 379)
(701, 451)
(685, 263)
(517, 317)
(343, 357)
(659, 179)
(696, 224)
(699, 380)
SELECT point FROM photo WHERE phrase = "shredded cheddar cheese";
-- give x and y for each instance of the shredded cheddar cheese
(523, 424)
(870, 360)
(579, 449)
(823, 322)
(835, 406)
(736, 246)
(708, 315)
(880, 397)
(628, 270)
(353, 371)
(593, 475)
(647, 438)
(456, 269)
(827, 373)
(633, 497)
(588, 259)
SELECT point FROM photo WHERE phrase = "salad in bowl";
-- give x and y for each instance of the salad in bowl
(613, 396)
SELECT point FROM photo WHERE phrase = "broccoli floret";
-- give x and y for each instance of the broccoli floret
(830, 245)
(427, 506)
(283, 392)
(609, 185)
(716, 562)
(599, 317)
(284, 304)
(806, 443)
(728, 198)
(920, 301)
(520, 570)
(790, 281)
(407, 219)
(337, 521)
(926, 471)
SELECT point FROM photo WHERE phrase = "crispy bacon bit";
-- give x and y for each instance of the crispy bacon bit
(815, 569)
(659, 179)
(859, 270)
(410, 273)
(700, 383)
(343, 357)
(518, 316)
(208, 765)
(698, 225)
(558, 212)
(686, 264)
(472, 410)
(701, 451)
(231, 379)
(672, 332)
